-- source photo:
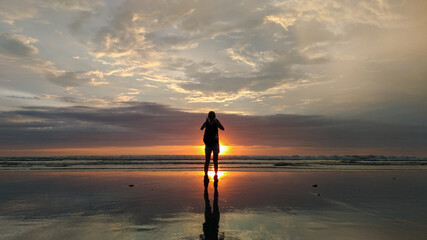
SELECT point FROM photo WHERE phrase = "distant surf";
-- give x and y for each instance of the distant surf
(227, 162)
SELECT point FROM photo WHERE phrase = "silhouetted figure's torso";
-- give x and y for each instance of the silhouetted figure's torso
(210, 138)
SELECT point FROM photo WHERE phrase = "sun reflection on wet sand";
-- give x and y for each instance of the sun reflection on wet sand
(211, 174)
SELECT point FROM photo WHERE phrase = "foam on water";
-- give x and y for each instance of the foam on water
(227, 162)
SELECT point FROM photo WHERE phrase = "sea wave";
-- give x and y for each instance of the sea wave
(227, 162)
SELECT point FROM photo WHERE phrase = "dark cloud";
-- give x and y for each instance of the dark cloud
(84, 17)
(14, 46)
(67, 79)
(23, 97)
(148, 124)
(270, 74)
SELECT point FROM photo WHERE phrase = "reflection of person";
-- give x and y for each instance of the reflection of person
(211, 224)
(211, 140)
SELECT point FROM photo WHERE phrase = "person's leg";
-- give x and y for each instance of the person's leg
(215, 159)
(208, 151)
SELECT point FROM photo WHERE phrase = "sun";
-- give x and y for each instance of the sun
(223, 149)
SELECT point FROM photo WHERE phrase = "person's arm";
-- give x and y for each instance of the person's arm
(220, 125)
(204, 125)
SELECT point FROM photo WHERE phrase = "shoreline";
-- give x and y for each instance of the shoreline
(267, 169)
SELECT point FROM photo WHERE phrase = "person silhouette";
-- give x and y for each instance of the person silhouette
(211, 140)
(211, 224)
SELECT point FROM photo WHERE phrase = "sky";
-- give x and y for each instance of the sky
(284, 77)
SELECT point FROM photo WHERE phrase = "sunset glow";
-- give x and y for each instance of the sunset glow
(223, 149)
(211, 174)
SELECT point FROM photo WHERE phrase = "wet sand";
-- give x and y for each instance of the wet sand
(247, 205)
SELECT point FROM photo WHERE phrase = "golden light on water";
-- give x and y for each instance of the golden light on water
(211, 174)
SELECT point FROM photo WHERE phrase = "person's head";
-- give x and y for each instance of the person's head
(211, 115)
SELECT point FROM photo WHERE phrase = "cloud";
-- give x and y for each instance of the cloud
(67, 79)
(295, 35)
(149, 124)
(142, 30)
(74, 5)
(285, 21)
(270, 74)
(84, 17)
(12, 11)
(17, 45)
(7, 93)
(355, 59)
(20, 49)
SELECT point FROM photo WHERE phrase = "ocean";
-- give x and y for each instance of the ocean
(227, 163)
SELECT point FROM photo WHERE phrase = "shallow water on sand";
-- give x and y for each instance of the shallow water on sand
(245, 205)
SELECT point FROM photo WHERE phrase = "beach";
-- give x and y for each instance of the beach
(162, 204)
(313, 111)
